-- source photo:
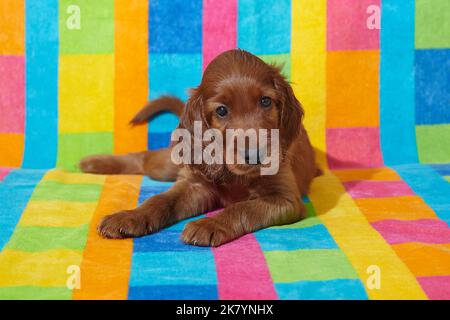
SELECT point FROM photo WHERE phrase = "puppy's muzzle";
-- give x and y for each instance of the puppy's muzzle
(253, 156)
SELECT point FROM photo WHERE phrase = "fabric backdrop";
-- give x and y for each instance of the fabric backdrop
(373, 76)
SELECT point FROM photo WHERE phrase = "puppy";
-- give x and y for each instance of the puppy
(238, 91)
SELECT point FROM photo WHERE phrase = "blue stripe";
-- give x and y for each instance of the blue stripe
(181, 224)
(173, 268)
(41, 127)
(174, 74)
(149, 182)
(165, 240)
(170, 74)
(432, 86)
(15, 192)
(442, 169)
(339, 289)
(158, 140)
(150, 187)
(162, 259)
(430, 186)
(397, 106)
(150, 191)
(175, 292)
(315, 237)
(163, 123)
(264, 27)
(175, 26)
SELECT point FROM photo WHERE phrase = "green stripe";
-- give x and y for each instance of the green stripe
(432, 143)
(35, 293)
(54, 190)
(280, 60)
(96, 32)
(305, 223)
(432, 29)
(35, 239)
(298, 265)
(72, 147)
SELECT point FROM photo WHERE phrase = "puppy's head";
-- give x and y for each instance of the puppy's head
(240, 91)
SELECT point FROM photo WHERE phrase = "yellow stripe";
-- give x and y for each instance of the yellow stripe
(86, 98)
(61, 213)
(57, 213)
(73, 178)
(360, 242)
(45, 269)
(308, 54)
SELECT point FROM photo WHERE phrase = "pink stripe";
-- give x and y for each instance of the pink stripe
(219, 28)
(357, 147)
(4, 172)
(349, 25)
(424, 230)
(12, 94)
(377, 189)
(436, 288)
(242, 270)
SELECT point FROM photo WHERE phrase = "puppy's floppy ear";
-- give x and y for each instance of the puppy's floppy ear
(291, 111)
(193, 111)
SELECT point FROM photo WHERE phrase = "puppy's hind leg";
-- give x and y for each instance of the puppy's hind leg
(132, 163)
(156, 164)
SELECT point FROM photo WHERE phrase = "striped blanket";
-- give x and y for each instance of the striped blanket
(373, 76)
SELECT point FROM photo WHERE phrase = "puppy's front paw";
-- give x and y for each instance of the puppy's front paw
(124, 224)
(206, 232)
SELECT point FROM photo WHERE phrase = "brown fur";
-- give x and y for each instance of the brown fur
(238, 80)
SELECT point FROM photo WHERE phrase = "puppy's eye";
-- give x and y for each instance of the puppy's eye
(266, 102)
(222, 111)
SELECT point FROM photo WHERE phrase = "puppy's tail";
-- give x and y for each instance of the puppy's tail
(164, 103)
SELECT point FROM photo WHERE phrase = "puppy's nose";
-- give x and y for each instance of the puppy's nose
(249, 154)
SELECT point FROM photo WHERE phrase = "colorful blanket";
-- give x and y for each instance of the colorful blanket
(373, 77)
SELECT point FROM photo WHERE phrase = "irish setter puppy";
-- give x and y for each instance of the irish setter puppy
(238, 91)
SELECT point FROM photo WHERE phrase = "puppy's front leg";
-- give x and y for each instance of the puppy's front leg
(182, 201)
(243, 217)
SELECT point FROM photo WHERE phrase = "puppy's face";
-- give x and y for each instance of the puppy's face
(240, 91)
(251, 105)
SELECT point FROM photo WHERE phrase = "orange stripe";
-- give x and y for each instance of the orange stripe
(373, 174)
(352, 88)
(425, 259)
(399, 208)
(12, 27)
(105, 268)
(11, 149)
(131, 73)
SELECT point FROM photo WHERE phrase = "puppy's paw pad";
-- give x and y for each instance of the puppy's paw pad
(205, 232)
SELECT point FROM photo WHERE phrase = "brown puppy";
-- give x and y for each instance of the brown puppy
(238, 90)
